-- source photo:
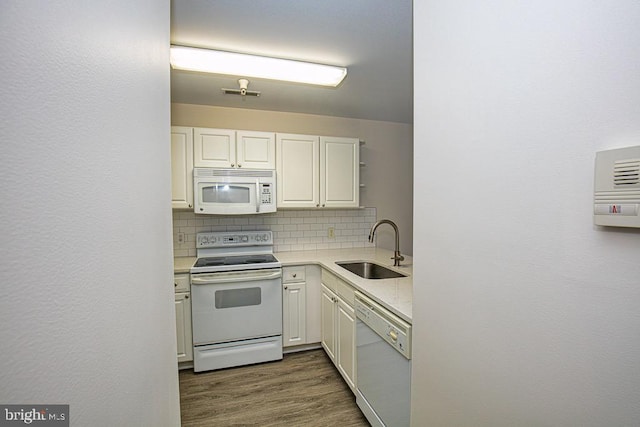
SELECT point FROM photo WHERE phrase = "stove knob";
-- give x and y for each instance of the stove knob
(245, 239)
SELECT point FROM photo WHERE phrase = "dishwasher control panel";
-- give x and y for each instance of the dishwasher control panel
(387, 325)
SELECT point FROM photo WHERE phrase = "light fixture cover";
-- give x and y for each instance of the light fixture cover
(238, 64)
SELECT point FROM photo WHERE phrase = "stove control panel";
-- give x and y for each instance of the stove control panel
(233, 239)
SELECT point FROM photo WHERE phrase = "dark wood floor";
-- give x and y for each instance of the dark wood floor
(304, 389)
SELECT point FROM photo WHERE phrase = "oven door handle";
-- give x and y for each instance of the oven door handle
(244, 276)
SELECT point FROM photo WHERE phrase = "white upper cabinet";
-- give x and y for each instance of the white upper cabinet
(339, 172)
(298, 168)
(181, 167)
(255, 150)
(226, 148)
(214, 148)
(317, 172)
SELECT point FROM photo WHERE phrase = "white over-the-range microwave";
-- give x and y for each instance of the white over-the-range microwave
(234, 191)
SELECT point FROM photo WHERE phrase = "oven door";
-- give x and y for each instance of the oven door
(236, 305)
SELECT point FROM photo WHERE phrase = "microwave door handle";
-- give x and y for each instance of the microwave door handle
(257, 195)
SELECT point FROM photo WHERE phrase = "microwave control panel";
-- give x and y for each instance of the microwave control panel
(266, 194)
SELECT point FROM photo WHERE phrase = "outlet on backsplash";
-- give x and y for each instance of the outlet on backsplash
(180, 237)
(331, 233)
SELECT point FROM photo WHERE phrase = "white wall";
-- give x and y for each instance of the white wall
(525, 312)
(388, 154)
(86, 310)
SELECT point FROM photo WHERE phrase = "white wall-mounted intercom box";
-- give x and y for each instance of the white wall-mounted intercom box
(617, 187)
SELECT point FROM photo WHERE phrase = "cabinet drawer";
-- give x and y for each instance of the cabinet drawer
(339, 286)
(329, 280)
(293, 274)
(181, 282)
(347, 293)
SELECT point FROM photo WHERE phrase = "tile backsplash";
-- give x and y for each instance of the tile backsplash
(293, 230)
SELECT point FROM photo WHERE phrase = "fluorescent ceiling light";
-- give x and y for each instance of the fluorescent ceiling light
(238, 64)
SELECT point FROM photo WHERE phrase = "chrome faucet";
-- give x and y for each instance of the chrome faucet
(396, 254)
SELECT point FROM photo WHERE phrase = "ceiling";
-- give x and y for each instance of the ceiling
(372, 38)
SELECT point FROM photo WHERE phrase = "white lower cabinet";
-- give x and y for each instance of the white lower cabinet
(294, 325)
(313, 281)
(300, 306)
(339, 326)
(329, 315)
(183, 317)
(346, 356)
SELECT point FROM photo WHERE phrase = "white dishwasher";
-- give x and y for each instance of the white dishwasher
(383, 353)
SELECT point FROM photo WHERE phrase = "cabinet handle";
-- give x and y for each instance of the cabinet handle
(295, 275)
(233, 165)
(186, 297)
(286, 287)
(323, 205)
(239, 165)
(318, 205)
(175, 284)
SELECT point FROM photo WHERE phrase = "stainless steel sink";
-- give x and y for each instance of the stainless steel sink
(369, 270)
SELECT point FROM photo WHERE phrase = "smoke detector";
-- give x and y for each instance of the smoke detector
(244, 84)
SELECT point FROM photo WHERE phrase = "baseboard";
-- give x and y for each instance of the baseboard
(302, 347)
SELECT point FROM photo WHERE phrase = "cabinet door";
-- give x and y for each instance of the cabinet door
(294, 314)
(298, 171)
(214, 148)
(339, 172)
(328, 315)
(181, 167)
(313, 308)
(346, 352)
(183, 327)
(255, 150)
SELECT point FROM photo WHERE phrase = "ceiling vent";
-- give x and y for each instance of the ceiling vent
(244, 84)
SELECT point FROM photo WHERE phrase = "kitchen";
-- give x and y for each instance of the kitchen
(527, 311)
(224, 126)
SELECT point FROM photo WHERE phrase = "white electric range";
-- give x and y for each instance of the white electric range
(236, 300)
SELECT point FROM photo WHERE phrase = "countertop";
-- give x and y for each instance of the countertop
(183, 264)
(394, 294)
